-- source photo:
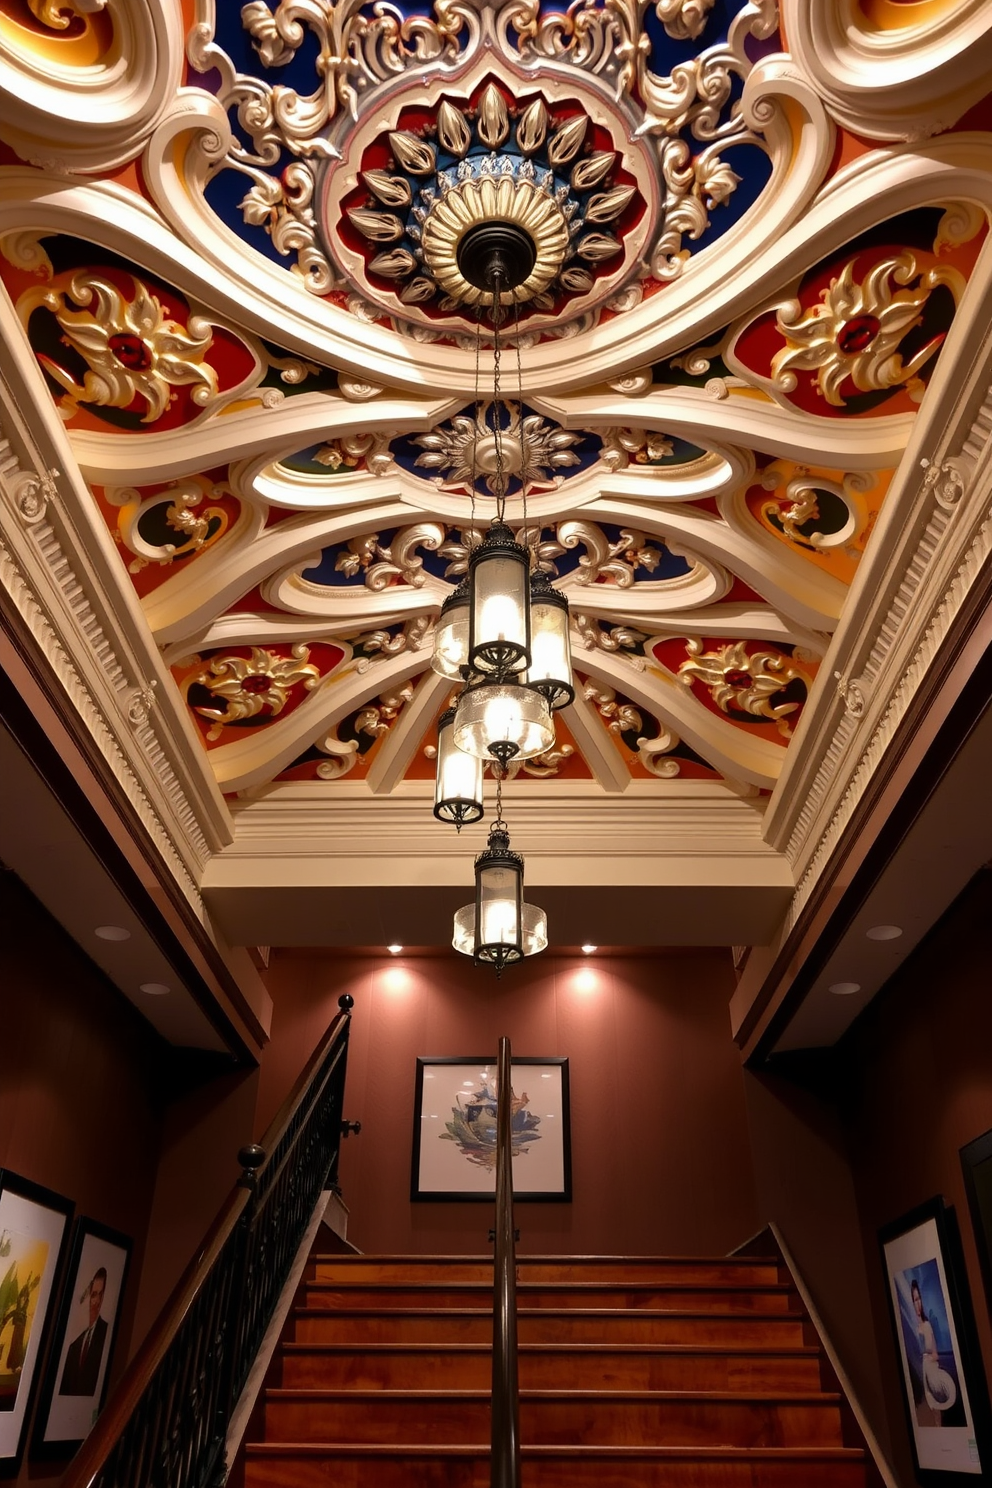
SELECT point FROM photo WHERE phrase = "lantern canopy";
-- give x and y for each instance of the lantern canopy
(535, 930)
(451, 635)
(499, 883)
(503, 721)
(550, 670)
(499, 623)
(458, 782)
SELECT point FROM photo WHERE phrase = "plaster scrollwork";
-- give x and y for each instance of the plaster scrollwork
(624, 718)
(797, 507)
(746, 682)
(88, 119)
(948, 481)
(30, 492)
(905, 82)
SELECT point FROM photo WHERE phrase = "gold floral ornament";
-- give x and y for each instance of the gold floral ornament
(530, 448)
(622, 718)
(855, 330)
(241, 688)
(130, 346)
(741, 683)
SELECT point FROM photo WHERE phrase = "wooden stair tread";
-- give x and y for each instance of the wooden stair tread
(721, 1350)
(722, 1397)
(543, 1312)
(472, 1449)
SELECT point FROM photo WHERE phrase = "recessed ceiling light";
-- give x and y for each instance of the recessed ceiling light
(884, 932)
(394, 950)
(588, 950)
(845, 989)
(155, 989)
(112, 932)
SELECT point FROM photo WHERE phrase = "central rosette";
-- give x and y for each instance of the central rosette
(550, 175)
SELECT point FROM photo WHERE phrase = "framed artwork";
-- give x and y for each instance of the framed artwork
(454, 1130)
(79, 1359)
(976, 1161)
(34, 1223)
(943, 1385)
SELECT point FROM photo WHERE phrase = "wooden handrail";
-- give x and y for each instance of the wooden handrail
(227, 1247)
(505, 1453)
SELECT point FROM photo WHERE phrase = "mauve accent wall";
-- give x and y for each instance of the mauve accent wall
(660, 1157)
(76, 1110)
(915, 1085)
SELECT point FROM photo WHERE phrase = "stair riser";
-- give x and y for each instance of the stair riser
(349, 1471)
(682, 1299)
(569, 1328)
(589, 1422)
(438, 1370)
(613, 1273)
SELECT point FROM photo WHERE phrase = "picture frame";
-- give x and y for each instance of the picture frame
(454, 1130)
(976, 1165)
(943, 1384)
(34, 1225)
(83, 1338)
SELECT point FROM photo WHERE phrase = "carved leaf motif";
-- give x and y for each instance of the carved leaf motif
(493, 124)
(453, 132)
(577, 280)
(591, 171)
(392, 191)
(567, 141)
(532, 127)
(597, 247)
(608, 205)
(381, 227)
(417, 291)
(413, 154)
(395, 265)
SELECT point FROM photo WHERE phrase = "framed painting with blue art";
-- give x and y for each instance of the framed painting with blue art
(454, 1130)
(943, 1385)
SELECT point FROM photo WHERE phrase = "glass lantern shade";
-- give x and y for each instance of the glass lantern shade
(458, 783)
(550, 670)
(499, 625)
(535, 930)
(451, 635)
(503, 721)
(499, 884)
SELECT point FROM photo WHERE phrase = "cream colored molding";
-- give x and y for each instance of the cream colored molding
(95, 118)
(651, 820)
(933, 540)
(59, 572)
(907, 83)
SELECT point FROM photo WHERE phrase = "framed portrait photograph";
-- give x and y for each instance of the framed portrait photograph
(454, 1130)
(943, 1384)
(78, 1367)
(34, 1223)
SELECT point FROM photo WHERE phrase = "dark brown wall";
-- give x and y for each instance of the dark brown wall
(77, 1112)
(918, 1073)
(659, 1136)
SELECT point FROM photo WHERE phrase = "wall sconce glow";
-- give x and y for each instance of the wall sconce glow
(585, 980)
(112, 932)
(589, 950)
(884, 932)
(394, 950)
(845, 989)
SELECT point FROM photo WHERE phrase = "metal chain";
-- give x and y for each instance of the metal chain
(500, 474)
(531, 547)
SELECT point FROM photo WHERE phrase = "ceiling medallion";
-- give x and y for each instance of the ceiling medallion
(544, 172)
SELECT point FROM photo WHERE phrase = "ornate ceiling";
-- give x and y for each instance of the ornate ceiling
(229, 235)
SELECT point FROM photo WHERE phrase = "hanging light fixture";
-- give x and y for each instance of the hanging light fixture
(451, 635)
(504, 632)
(550, 670)
(458, 782)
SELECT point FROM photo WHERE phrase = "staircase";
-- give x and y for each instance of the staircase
(641, 1371)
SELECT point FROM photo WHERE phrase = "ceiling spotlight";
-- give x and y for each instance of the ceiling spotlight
(394, 950)
(155, 989)
(589, 950)
(845, 989)
(884, 932)
(112, 932)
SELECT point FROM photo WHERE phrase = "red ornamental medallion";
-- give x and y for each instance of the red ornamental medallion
(858, 334)
(130, 351)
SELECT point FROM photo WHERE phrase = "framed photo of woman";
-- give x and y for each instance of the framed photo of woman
(943, 1385)
(34, 1223)
(79, 1360)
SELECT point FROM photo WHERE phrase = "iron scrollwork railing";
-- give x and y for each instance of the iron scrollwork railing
(505, 1453)
(165, 1425)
